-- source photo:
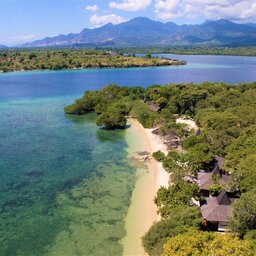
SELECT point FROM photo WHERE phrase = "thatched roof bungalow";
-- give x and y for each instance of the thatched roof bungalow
(206, 179)
(217, 211)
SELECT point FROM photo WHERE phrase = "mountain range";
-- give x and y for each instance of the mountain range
(146, 32)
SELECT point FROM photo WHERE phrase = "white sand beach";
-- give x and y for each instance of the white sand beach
(142, 212)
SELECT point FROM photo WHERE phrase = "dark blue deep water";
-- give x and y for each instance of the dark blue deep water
(65, 185)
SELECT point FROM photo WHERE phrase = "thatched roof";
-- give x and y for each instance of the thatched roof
(220, 161)
(223, 199)
(217, 208)
(153, 107)
(204, 180)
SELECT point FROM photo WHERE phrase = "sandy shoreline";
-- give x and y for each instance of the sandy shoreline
(142, 212)
(157, 143)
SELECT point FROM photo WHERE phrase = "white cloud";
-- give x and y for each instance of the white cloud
(236, 10)
(98, 21)
(92, 8)
(130, 5)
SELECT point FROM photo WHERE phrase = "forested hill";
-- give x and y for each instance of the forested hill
(145, 32)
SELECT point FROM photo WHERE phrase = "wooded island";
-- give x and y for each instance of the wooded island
(58, 59)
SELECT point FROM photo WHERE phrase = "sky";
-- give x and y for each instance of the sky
(28, 20)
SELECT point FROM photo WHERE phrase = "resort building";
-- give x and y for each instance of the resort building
(206, 179)
(217, 211)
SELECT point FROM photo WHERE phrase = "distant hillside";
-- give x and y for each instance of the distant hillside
(2, 46)
(145, 32)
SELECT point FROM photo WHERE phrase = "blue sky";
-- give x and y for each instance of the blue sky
(26, 20)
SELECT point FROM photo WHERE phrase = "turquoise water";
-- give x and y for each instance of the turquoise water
(65, 185)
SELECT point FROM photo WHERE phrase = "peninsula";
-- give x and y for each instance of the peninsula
(211, 167)
(59, 59)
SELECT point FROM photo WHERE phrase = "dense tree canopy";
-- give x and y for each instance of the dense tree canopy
(245, 175)
(198, 243)
(177, 164)
(178, 194)
(183, 217)
(244, 213)
(195, 50)
(107, 103)
(56, 59)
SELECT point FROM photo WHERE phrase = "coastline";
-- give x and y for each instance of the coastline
(179, 63)
(142, 212)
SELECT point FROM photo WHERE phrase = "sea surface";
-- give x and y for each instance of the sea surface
(65, 184)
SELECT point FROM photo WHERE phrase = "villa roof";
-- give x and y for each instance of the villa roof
(223, 199)
(204, 180)
(220, 161)
(152, 106)
(218, 208)
(216, 170)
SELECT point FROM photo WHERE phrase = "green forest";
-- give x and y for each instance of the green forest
(58, 59)
(226, 116)
(194, 50)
